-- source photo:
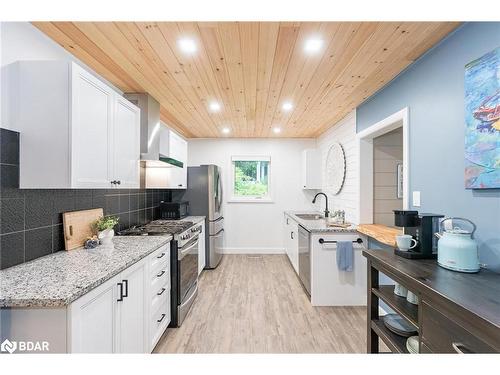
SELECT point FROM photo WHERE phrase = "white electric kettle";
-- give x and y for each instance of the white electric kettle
(457, 250)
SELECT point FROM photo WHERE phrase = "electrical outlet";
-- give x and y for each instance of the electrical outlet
(416, 199)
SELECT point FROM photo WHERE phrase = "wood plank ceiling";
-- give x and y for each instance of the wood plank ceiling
(250, 68)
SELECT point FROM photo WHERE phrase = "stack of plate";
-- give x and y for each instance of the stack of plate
(398, 325)
(412, 344)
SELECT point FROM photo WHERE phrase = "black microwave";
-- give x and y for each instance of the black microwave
(174, 210)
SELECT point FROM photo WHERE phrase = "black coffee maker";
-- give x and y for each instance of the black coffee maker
(422, 228)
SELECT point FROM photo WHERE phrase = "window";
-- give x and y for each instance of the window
(251, 178)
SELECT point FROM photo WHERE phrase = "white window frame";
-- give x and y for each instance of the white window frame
(250, 199)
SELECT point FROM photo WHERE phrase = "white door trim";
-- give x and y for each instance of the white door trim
(365, 147)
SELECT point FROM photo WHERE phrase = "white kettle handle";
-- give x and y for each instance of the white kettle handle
(459, 218)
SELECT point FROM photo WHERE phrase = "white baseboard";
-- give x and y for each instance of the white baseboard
(253, 250)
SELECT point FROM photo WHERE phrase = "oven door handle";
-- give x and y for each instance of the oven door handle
(183, 252)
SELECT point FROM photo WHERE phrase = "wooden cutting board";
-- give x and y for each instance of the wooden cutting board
(78, 226)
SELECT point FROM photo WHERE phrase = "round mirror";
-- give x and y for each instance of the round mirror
(335, 168)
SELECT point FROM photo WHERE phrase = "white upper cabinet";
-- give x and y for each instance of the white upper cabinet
(177, 176)
(311, 169)
(91, 131)
(76, 131)
(126, 144)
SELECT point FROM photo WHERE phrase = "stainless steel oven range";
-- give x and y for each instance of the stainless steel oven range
(184, 261)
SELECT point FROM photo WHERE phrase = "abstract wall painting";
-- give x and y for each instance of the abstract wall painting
(482, 122)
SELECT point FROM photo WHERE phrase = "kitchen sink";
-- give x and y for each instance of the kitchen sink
(310, 216)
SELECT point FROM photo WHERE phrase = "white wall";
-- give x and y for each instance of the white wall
(257, 227)
(23, 41)
(344, 132)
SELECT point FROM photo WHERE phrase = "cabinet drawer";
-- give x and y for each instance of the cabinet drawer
(159, 258)
(158, 296)
(443, 335)
(159, 322)
(160, 279)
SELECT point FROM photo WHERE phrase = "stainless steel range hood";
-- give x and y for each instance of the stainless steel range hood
(151, 132)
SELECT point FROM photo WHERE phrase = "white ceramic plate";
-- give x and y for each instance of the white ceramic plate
(412, 345)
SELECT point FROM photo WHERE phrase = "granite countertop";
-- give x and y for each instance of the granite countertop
(318, 226)
(58, 279)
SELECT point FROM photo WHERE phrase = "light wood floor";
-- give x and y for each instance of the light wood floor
(256, 304)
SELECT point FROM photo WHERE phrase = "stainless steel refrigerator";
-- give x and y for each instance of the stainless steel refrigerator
(204, 194)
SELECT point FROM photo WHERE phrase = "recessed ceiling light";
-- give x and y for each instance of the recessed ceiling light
(313, 45)
(276, 130)
(187, 45)
(226, 130)
(214, 106)
(287, 106)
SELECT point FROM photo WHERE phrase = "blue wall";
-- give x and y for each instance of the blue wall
(433, 90)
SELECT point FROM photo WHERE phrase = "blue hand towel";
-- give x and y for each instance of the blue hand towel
(345, 256)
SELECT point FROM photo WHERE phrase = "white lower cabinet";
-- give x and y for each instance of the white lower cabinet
(126, 314)
(131, 317)
(291, 241)
(92, 320)
(158, 311)
(329, 285)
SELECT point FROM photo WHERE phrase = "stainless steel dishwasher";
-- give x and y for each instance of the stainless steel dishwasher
(305, 259)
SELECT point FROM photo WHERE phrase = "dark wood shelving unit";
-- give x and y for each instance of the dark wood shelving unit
(396, 343)
(399, 304)
(453, 307)
(376, 327)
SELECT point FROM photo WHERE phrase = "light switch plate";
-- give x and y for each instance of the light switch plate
(416, 199)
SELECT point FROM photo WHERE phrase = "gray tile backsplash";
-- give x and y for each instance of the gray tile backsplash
(31, 219)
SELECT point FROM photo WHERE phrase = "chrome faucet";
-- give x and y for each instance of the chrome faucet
(326, 203)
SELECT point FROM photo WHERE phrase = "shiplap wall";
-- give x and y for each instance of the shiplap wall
(344, 133)
(387, 153)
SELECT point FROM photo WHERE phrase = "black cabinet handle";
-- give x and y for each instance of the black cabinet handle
(287, 221)
(322, 241)
(160, 256)
(121, 292)
(113, 182)
(161, 292)
(160, 274)
(125, 282)
(179, 185)
(291, 235)
(162, 317)
(118, 182)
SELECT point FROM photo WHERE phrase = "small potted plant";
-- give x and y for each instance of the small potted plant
(104, 228)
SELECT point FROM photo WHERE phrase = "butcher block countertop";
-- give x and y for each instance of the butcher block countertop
(381, 233)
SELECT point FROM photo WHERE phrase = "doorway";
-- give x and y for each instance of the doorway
(372, 169)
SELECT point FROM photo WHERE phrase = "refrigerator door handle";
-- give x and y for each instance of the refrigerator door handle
(218, 234)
